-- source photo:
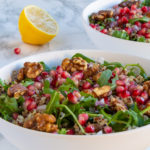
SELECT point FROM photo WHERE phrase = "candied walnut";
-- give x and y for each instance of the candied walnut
(117, 104)
(129, 3)
(16, 90)
(99, 123)
(101, 91)
(41, 122)
(102, 14)
(74, 64)
(92, 69)
(30, 70)
(146, 87)
(20, 75)
(89, 91)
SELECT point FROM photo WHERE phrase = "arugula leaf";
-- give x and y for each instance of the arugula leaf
(142, 19)
(113, 84)
(4, 85)
(141, 39)
(136, 69)
(47, 89)
(83, 57)
(112, 65)
(62, 131)
(146, 3)
(110, 19)
(121, 34)
(52, 104)
(27, 82)
(104, 78)
(46, 67)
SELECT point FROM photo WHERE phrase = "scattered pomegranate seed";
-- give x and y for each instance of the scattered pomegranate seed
(52, 73)
(142, 31)
(133, 7)
(31, 87)
(28, 101)
(90, 129)
(54, 81)
(120, 89)
(126, 10)
(138, 23)
(136, 92)
(144, 95)
(44, 74)
(70, 132)
(17, 51)
(15, 116)
(144, 9)
(116, 71)
(46, 95)
(124, 19)
(128, 30)
(38, 85)
(72, 98)
(140, 100)
(65, 74)
(93, 26)
(31, 92)
(32, 106)
(106, 100)
(77, 94)
(86, 85)
(59, 69)
(107, 129)
(124, 94)
(82, 118)
(147, 35)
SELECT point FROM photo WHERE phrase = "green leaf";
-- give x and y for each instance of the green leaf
(83, 57)
(52, 104)
(47, 89)
(45, 67)
(27, 82)
(146, 3)
(62, 131)
(113, 84)
(112, 65)
(121, 34)
(4, 85)
(12, 104)
(110, 19)
(142, 19)
(104, 78)
(136, 69)
(141, 39)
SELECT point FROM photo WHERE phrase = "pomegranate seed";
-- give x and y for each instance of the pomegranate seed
(120, 82)
(93, 26)
(147, 35)
(32, 106)
(76, 82)
(142, 31)
(65, 74)
(104, 31)
(107, 129)
(77, 94)
(117, 71)
(52, 73)
(124, 94)
(106, 100)
(90, 129)
(44, 74)
(31, 92)
(31, 87)
(132, 87)
(140, 100)
(72, 98)
(138, 23)
(122, 77)
(17, 51)
(61, 81)
(86, 85)
(59, 69)
(144, 95)
(124, 19)
(54, 81)
(126, 10)
(38, 85)
(15, 116)
(120, 89)
(132, 12)
(28, 101)
(122, 11)
(82, 118)
(78, 75)
(133, 7)
(46, 95)
(70, 132)
(144, 9)
(128, 30)
(136, 92)
(38, 78)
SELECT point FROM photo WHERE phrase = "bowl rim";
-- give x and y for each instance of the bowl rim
(138, 129)
(105, 35)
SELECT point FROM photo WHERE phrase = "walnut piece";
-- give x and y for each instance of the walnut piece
(117, 104)
(31, 70)
(146, 87)
(97, 76)
(102, 14)
(42, 122)
(101, 91)
(74, 64)
(92, 70)
(16, 90)
(89, 91)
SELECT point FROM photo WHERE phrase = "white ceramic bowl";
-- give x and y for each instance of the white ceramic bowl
(25, 139)
(107, 42)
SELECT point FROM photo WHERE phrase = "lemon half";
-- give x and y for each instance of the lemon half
(36, 26)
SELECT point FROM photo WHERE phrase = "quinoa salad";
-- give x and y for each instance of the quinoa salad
(129, 20)
(81, 96)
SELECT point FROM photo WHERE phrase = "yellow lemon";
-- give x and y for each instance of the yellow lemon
(36, 26)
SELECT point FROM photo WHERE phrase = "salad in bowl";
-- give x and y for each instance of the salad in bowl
(129, 19)
(79, 96)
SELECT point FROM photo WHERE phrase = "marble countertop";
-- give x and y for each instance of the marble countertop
(71, 33)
